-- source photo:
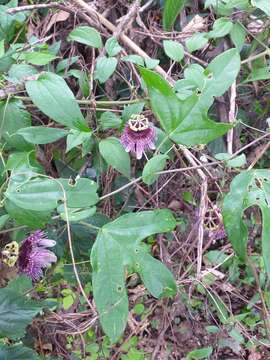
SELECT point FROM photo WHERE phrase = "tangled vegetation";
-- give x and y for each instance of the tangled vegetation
(135, 190)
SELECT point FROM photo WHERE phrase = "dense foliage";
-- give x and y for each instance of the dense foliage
(135, 197)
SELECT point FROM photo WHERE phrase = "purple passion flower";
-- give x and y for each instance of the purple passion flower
(138, 135)
(33, 255)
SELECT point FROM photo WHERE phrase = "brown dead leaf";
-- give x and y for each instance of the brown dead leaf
(57, 17)
(197, 24)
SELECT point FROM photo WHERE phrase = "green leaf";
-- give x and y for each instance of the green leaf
(151, 63)
(108, 120)
(135, 59)
(16, 312)
(53, 97)
(221, 27)
(108, 281)
(214, 80)
(114, 154)
(86, 35)
(18, 72)
(238, 36)
(22, 160)
(39, 57)
(249, 188)
(20, 284)
(185, 122)
(237, 161)
(17, 352)
(76, 138)
(196, 42)
(154, 165)
(65, 64)
(3, 220)
(258, 74)
(222, 72)
(112, 46)
(105, 67)
(198, 354)
(81, 194)
(164, 102)
(41, 194)
(41, 134)
(171, 10)
(173, 49)
(2, 48)
(30, 218)
(75, 215)
(264, 5)
(233, 208)
(13, 117)
(156, 277)
(117, 247)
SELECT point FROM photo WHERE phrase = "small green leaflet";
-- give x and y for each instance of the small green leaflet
(249, 188)
(200, 354)
(114, 154)
(118, 246)
(196, 41)
(112, 46)
(173, 49)
(105, 67)
(86, 35)
(76, 138)
(135, 59)
(39, 57)
(221, 27)
(154, 165)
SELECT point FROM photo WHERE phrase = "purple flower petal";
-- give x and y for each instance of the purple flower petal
(33, 255)
(138, 136)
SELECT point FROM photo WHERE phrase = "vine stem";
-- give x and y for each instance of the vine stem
(257, 56)
(93, 102)
(71, 250)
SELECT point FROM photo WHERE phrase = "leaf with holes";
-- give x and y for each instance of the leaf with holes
(117, 248)
(41, 194)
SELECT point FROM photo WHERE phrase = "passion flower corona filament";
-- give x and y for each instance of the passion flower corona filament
(138, 136)
(33, 255)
